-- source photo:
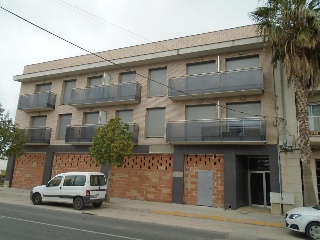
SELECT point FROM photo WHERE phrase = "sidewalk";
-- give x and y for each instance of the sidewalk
(247, 215)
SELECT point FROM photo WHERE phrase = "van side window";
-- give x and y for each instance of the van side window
(79, 180)
(74, 180)
(97, 180)
(55, 181)
(68, 181)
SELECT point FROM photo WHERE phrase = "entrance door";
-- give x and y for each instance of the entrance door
(260, 188)
(205, 188)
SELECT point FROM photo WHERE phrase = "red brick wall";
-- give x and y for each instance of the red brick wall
(28, 170)
(144, 177)
(73, 162)
(196, 162)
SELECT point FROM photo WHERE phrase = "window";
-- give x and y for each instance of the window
(55, 182)
(157, 82)
(79, 180)
(200, 112)
(94, 118)
(39, 121)
(95, 81)
(125, 115)
(198, 68)
(243, 110)
(91, 118)
(314, 110)
(43, 87)
(74, 180)
(65, 120)
(242, 63)
(127, 77)
(68, 85)
(97, 180)
(314, 118)
(155, 122)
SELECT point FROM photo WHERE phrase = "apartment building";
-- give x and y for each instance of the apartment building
(202, 110)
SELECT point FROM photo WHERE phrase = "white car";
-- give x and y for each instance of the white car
(77, 188)
(305, 220)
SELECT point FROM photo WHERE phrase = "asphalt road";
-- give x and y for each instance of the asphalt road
(24, 222)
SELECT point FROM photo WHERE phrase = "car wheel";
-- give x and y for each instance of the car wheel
(78, 203)
(97, 204)
(36, 199)
(313, 230)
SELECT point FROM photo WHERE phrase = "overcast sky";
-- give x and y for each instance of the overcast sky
(99, 25)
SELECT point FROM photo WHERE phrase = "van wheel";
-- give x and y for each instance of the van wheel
(97, 204)
(78, 203)
(313, 230)
(37, 199)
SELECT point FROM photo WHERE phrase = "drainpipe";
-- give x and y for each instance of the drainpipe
(284, 132)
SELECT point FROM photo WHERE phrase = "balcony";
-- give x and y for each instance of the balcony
(314, 127)
(231, 83)
(38, 136)
(40, 101)
(125, 93)
(83, 135)
(243, 131)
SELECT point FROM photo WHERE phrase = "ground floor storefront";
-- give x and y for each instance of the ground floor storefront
(226, 176)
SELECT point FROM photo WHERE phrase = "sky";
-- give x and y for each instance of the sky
(100, 25)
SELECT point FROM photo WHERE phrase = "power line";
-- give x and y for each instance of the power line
(99, 19)
(102, 20)
(127, 69)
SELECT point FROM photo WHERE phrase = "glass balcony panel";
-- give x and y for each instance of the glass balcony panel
(217, 83)
(193, 131)
(84, 134)
(39, 135)
(39, 101)
(127, 92)
(220, 130)
(106, 95)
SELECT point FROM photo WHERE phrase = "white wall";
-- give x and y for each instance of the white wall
(3, 164)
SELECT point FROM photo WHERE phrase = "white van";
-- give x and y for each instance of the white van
(77, 188)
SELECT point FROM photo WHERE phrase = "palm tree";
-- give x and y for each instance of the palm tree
(291, 28)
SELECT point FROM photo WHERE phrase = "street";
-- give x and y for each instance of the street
(49, 222)
(20, 222)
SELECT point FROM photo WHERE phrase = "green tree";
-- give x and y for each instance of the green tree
(112, 143)
(12, 139)
(291, 28)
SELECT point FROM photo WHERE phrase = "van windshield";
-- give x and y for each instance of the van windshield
(97, 180)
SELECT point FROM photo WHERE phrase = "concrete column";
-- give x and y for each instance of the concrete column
(178, 178)
(9, 172)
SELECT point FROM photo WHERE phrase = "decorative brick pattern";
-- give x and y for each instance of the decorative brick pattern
(73, 162)
(28, 170)
(144, 177)
(194, 163)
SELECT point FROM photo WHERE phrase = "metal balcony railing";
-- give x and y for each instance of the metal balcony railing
(314, 125)
(78, 135)
(125, 93)
(231, 83)
(38, 135)
(40, 101)
(219, 130)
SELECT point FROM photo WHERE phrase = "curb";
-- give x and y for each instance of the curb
(218, 218)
